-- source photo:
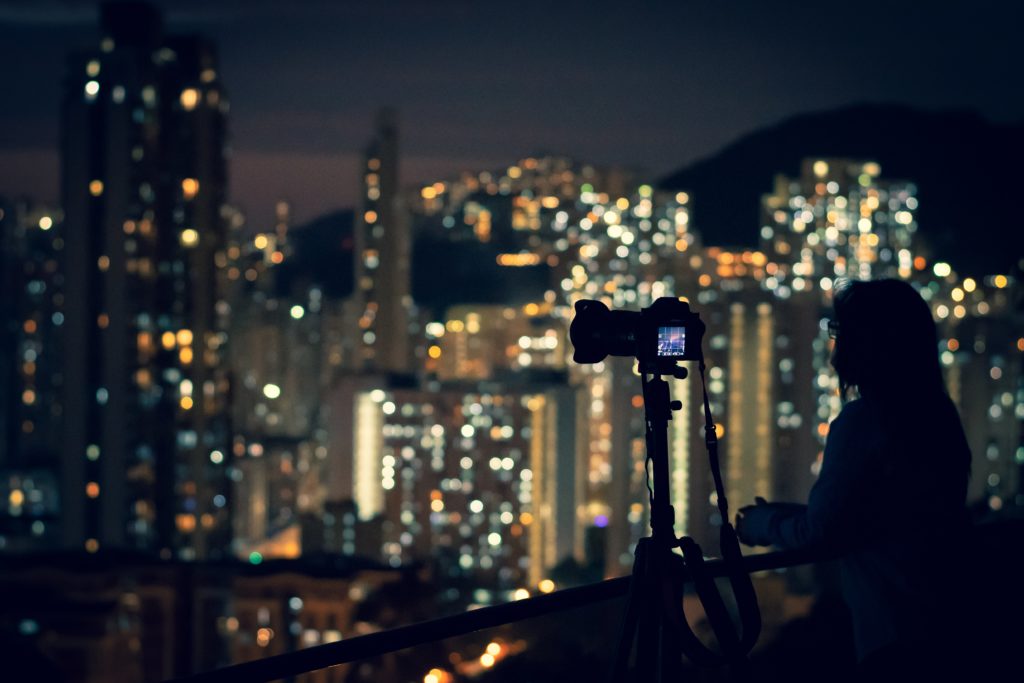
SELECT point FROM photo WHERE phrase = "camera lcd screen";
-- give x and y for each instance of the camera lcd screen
(671, 341)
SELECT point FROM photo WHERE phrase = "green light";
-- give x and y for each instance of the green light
(645, 190)
(586, 187)
(255, 558)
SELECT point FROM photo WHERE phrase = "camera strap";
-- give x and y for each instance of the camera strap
(735, 647)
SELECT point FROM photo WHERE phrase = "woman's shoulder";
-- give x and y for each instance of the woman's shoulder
(860, 424)
(857, 412)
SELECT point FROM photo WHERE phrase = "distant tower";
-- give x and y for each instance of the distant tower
(143, 182)
(31, 343)
(382, 297)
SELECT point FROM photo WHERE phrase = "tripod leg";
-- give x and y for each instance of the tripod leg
(635, 601)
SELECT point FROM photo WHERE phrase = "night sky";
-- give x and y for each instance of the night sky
(481, 84)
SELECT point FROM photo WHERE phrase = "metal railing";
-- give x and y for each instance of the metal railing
(375, 644)
(996, 544)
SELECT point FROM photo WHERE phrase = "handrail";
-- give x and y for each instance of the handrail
(318, 657)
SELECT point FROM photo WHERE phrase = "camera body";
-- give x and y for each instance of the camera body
(659, 335)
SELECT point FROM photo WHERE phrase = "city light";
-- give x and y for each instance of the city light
(435, 417)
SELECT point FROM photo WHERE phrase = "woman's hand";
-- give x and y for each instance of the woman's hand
(754, 522)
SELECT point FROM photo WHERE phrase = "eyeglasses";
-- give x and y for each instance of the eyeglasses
(833, 328)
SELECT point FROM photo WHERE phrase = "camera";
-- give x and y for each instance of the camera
(666, 331)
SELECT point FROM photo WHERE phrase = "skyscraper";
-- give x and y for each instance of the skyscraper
(382, 300)
(31, 375)
(143, 184)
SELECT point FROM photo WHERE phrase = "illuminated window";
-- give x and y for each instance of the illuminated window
(189, 99)
(189, 188)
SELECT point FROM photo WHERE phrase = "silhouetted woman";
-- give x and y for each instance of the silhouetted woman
(891, 493)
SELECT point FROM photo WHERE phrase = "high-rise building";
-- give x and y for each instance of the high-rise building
(31, 374)
(277, 363)
(483, 478)
(839, 219)
(143, 184)
(381, 302)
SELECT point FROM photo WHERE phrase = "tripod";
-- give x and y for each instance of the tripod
(654, 618)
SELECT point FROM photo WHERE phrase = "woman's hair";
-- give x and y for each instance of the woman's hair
(886, 342)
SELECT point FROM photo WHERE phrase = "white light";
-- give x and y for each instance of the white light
(92, 88)
(297, 312)
(271, 391)
(494, 539)
(476, 506)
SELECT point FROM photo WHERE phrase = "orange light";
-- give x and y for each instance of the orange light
(434, 351)
(526, 518)
(167, 340)
(953, 345)
(185, 356)
(184, 337)
(920, 263)
(370, 217)
(189, 99)
(30, 326)
(189, 188)
(277, 257)
(186, 403)
(638, 401)
(92, 489)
